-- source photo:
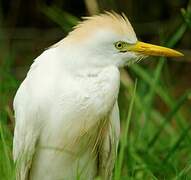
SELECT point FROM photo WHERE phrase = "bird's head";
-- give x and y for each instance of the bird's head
(109, 39)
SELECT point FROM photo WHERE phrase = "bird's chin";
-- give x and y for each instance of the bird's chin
(137, 59)
(129, 59)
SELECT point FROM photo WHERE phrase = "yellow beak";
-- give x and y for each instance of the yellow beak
(153, 50)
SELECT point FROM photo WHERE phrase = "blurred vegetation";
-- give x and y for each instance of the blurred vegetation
(155, 112)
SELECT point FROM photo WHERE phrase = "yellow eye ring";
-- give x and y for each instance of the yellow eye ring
(119, 45)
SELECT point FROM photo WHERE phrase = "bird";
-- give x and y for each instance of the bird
(67, 123)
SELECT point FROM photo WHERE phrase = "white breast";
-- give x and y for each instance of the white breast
(79, 103)
(71, 107)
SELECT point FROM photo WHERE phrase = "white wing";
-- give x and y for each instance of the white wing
(108, 150)
(26, 133)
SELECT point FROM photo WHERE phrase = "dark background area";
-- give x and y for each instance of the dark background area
(27, 30)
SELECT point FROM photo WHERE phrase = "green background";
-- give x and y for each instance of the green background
(155, 112)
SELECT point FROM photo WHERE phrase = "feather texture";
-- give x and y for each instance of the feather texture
(119, 24)
(67, 118)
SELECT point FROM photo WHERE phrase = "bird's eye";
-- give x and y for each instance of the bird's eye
(119, 45)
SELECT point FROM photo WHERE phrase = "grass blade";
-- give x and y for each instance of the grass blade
(169, 117)
(123, 140)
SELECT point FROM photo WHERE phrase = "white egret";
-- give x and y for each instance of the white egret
(67, 117)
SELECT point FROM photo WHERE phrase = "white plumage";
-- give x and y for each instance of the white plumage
(67, 117)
